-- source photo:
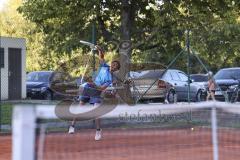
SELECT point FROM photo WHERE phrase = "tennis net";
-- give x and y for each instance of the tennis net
(206, 130)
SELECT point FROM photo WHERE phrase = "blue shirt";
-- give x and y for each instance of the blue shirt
(104, 76)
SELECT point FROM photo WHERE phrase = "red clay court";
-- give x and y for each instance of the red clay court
(132, 144)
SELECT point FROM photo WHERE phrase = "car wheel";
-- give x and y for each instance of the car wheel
(172, 97)
(200, 97)
(48, 95)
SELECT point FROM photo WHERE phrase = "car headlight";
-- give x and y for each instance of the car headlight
(43, 89)
(233, 86)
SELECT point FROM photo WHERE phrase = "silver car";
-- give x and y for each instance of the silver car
(169, 86)
(201, 80)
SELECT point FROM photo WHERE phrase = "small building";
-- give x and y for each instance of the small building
(13, 68)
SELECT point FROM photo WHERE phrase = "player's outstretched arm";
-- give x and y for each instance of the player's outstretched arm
(100, 54)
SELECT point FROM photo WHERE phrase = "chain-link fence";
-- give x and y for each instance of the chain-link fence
(159, 59)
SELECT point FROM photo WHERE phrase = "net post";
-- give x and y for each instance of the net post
(23, 143)
(214, 133)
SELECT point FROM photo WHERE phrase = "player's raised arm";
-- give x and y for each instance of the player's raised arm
(100, 54)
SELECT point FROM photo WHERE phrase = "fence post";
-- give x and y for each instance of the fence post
(0, 110)
(0, 88)
(23, 144)
(214, 133)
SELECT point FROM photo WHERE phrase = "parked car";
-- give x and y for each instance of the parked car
(226, 79)
(170, 85)
(199, 78)
(49, 85)
(202, 81)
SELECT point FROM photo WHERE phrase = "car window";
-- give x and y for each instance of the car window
(228, 74)
(146, 74)
(167, 76)
(199, 78)
(175, 76)
(183, 76)
(38, 76)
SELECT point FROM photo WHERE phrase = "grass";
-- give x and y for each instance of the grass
(6, 114)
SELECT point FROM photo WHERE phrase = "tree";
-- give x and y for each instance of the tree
(115, 20)
(14, 25)
(38, 57)
(212, 23)
(147, 26)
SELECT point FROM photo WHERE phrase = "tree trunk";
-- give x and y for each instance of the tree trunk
(127, 14)
(125, 41)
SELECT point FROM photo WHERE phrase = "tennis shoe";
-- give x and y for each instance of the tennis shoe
(98, 135)
(71, 130)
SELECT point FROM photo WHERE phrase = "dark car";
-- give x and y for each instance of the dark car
(49, 85)
(170, 86)
(226, 79)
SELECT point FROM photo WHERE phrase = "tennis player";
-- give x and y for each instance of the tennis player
(103, 79)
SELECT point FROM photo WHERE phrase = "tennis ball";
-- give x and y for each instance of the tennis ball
(192, 129)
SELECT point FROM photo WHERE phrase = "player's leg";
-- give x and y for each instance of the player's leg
(96, 100)
(213, 95)
(98, 134)
(71, 129)
(208, 95)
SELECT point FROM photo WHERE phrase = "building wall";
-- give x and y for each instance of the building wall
(8, 42)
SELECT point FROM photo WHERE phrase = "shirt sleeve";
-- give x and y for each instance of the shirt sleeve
(104, 64)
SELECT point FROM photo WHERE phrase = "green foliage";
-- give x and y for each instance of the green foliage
(214, 33)
(38, 56)
(14, 25)
(157, 30)
(63, 22)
